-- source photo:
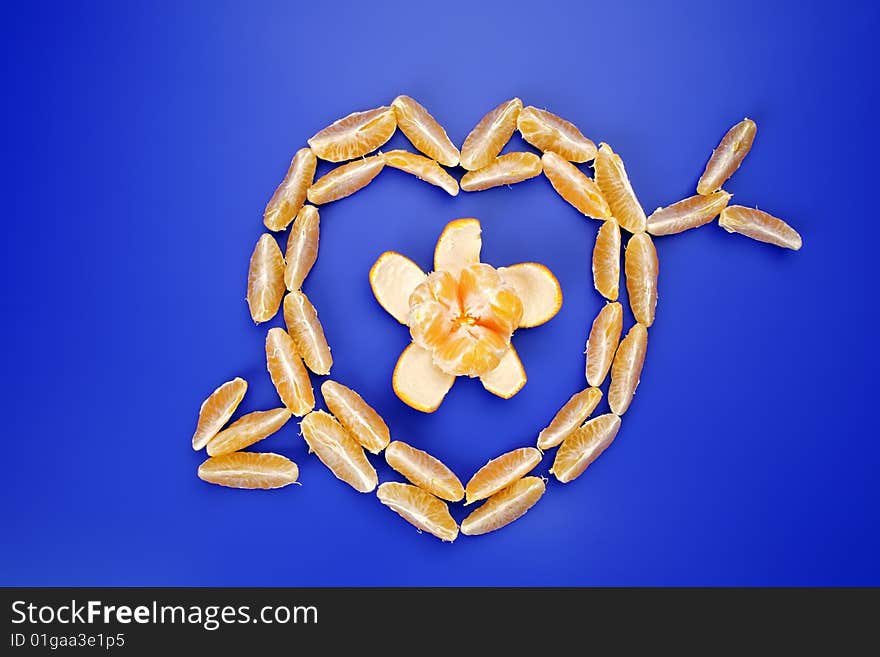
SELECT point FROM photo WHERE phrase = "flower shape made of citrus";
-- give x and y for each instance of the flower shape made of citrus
(461, 316)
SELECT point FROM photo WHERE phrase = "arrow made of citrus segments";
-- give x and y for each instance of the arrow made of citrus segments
(463, 314)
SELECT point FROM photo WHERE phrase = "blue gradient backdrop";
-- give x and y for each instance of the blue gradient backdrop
(142, 142)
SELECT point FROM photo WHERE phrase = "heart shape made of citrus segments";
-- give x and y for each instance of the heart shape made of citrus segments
(462, 315)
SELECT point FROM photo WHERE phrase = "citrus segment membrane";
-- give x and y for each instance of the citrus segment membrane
(760, 226)
(345, 180)
(291, 193)
(418, 382)
(247, 430)
(627, 368)
(606, 260)
(359, 418)
(551, 133)
(727, 157)
(602, 342)
(688, 213)
(265, 279)
(614, 183)
(584, 446)
(490, 135)
(302, 247)
(424, 470)
(336, 449)
(508, 378)
(458, 246)
(570, 416)
(505, 170)
(355, 135)
(419, 508)
(538, 290)
(288, 373)
(504, 507)
(574, 186)
(424, 132)
(500, 472)
(422, 168)
(305, 328)
(393, 278)
(642, 269)
(249, 470)
(216, 410)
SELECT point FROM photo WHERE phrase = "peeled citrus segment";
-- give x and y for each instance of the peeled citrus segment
(305, 328)
(424, 471)
(393, 278)
(759, 226)
(551, 133)
(217, 409)
(419, 508)
(424, 132)
(458, 246)
(288, 373)
(489, 299)
(627, 369)
(418, 382)
(574, 186)
(642, 269)
(606, 260)
(570, 416)
(537, 288)
(689, 213)
(584, 446)
(614, 183)
(249, 470)
(727, 157)
(291, 193)
(338, 451)
(422, 168)
(265, 279)
(345, 180)
(247, 430)
(359, 418)
(505, 170)
(355, 135)
(302, 247)
(490, 135)
(602, 343)
(500, 472)
(504, 507)
(508, 378)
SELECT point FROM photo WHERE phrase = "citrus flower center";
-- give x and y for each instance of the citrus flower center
(465, 322)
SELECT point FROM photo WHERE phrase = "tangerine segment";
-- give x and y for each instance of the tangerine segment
(288, 373)
(602, 343)
(217, 409)
(424, 471)
(424, 132)
(345, 180)
(760, 226)
(505, 170)
(689, 213)
(247, 430)
(291, 193)
(305, 328)
(613, 181)
(642, 269)
(458, 246)
(338, 451)
(418, 382)
(627, 368)
(422, 168)
(419, 508)
(570, 416)
(551, 133)
(357, 416)
(606, 260)
(265, 279)
(354, 135)
(393, 278)
(249, 470)
(508, 378)
(504, 507)
(584, 446)
(500, 472)
(490, 135)
(575, 187)
(537, 288)
(725, 159)
(302, 247)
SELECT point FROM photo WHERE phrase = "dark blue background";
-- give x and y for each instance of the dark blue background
(142, 142)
